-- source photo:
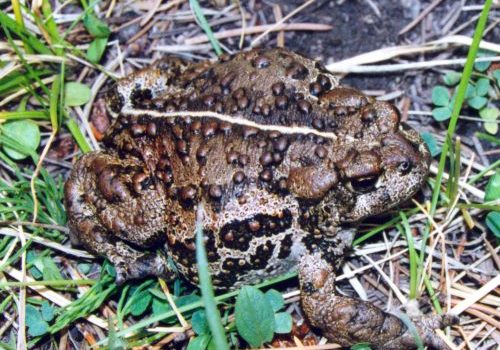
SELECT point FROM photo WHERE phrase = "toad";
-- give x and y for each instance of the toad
(284, 163)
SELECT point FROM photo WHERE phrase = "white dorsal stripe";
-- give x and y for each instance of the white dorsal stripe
(232, 120)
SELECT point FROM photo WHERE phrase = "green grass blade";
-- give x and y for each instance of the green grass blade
(16, 115)
(29, 39)
(413, 256)
(462, 88)
(78, 136)
(207, 291)
(53, 106)
(195, 6)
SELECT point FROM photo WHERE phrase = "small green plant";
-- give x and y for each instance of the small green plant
(100, 32)
(492, 193)
(481, 93)
(257, 315)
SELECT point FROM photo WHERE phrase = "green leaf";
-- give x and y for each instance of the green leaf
(96, 49)
(482, 86)
(275, 299)
(50, 270)
(477, 102)
(493, 222)
(84, 268)
(431, 143)
(441, 113)
(452, 78)
(109, 268)
(492, 191)
(254, 316)
(482, 66)
(76, 94)
(283, 323)
(47, 311)
(490, 116)
(24, 132)
(141, 303)
(496, 75)
(199, 322)
(440, 96)
(160, 307)
(31, 257)
(361, 346)
(470, 91)
(187, 299)
(95, 26)
(200, 342)
(36, 324)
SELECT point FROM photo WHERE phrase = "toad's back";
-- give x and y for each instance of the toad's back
(283, 160)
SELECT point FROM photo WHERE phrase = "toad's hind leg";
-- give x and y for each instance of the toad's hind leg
(116, 209)
(348, 321)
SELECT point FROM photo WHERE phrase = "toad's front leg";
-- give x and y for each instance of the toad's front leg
(348, 321)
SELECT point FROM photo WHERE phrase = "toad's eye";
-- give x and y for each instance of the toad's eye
(404, 167)
(365, 184)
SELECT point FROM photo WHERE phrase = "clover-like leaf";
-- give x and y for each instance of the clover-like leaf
(496, 75)
(199, 342)
(452, 78)
(47, 311)
(275, 299)
(441, 113)
(477, 102)
(431, 143)
(36, 324)
(470, 91)
(283, 323)
(493, 222)
(141, 303)
(482, 86)
(490, 116)
(440, 96)
(483, 66)
(199, 322)
(493, 188)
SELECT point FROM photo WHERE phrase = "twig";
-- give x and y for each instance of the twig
(258, 29)
(277, 24)
(477, 295)
(420, 17)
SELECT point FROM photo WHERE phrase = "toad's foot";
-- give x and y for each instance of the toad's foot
(348, 321)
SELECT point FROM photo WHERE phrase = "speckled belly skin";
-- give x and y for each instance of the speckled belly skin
(283, 162)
